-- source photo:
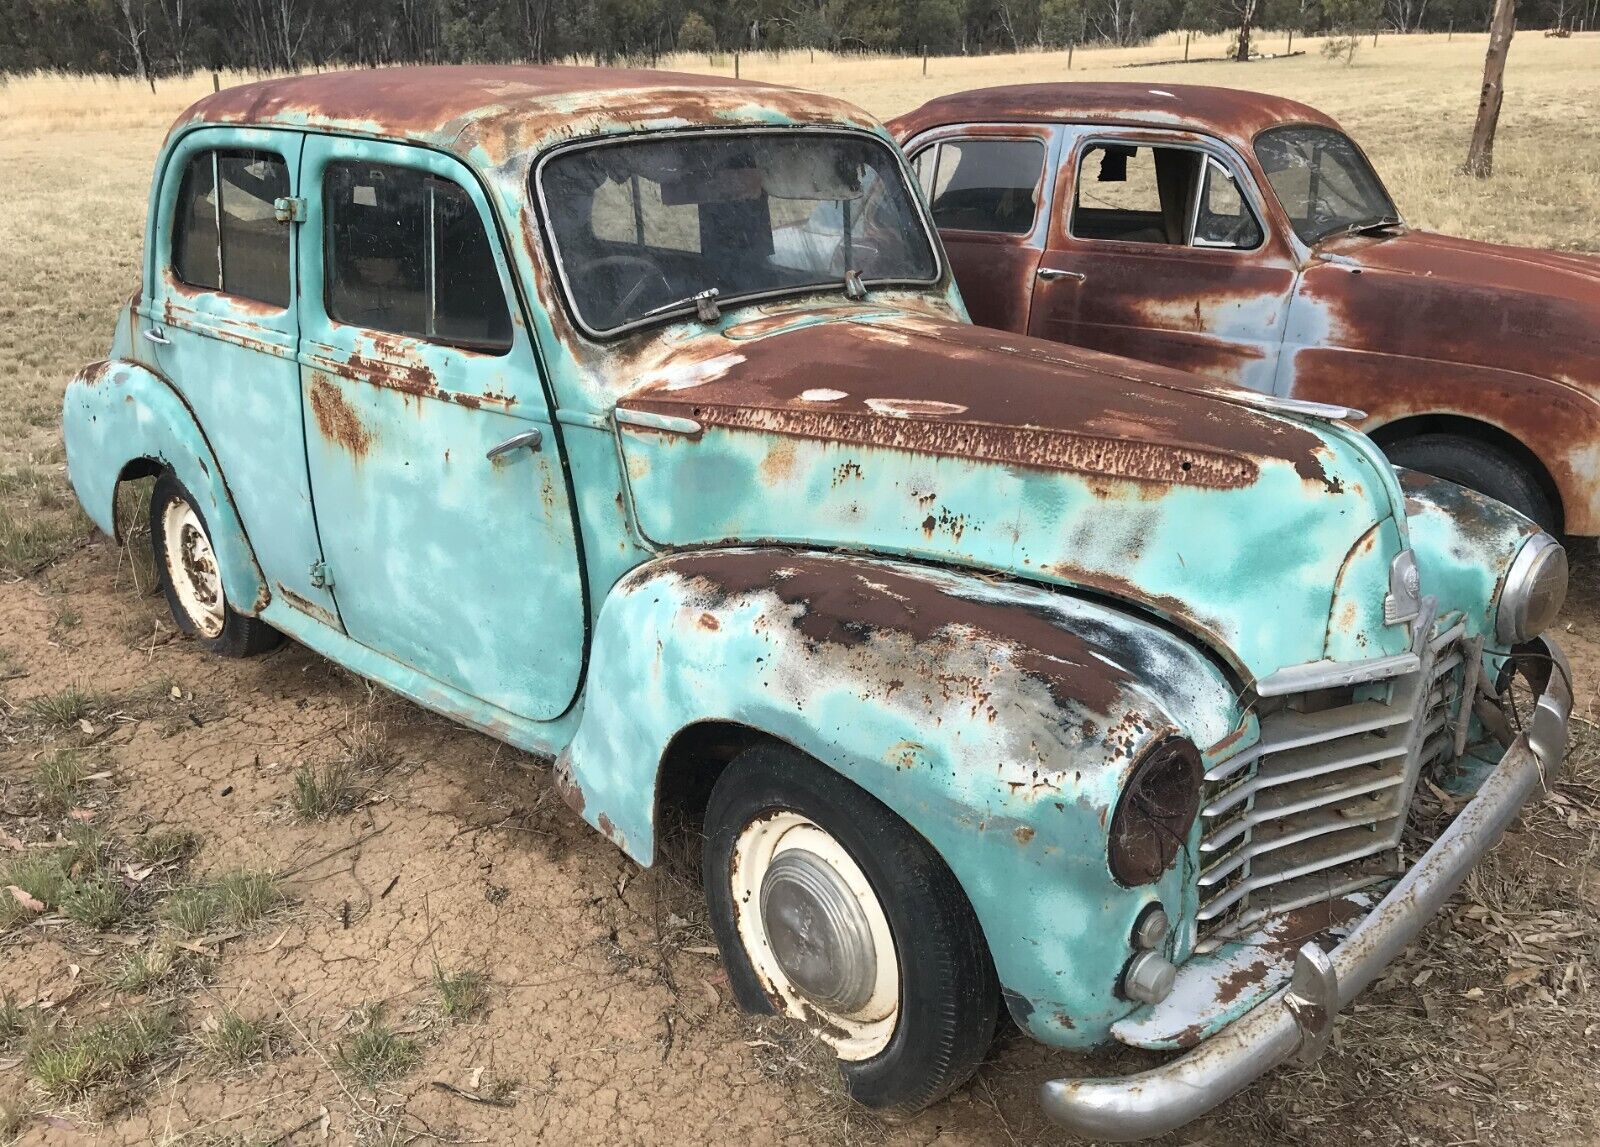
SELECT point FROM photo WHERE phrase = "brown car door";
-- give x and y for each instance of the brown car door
(1158, 251)
(988, 191)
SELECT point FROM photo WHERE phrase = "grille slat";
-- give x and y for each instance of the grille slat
(1316, 808)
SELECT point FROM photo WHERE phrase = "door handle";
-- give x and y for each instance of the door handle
(532, 439)
(155, 335)
(1051, 274)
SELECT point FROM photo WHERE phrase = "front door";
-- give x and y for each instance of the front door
(220, 321)
(1158, 253)
(987, 189)
(446, 523)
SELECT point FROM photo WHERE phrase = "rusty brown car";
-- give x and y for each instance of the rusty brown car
(1247, 237)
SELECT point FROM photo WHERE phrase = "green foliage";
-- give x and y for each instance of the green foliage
(56, 781)
(67, 1067)
(233, 1040)
(238, 898)
(377, 1052)
(461, 994)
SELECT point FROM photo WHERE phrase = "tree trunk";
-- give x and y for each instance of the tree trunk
(1480, 155)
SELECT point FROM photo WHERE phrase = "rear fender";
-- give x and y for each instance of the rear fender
(999, 720)
(117, 414)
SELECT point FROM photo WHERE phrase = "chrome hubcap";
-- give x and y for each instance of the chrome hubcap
(819, 934)
(816, 934)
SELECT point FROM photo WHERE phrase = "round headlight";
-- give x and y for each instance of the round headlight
(1536, 587)
(1157, 807)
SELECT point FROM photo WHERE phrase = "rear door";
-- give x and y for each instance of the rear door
(988, 188)
(221, 323)
(1158, 252)
(438, 481)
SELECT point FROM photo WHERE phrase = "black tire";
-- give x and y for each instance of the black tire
(1477, 466)
(949, 997)
(239, 636)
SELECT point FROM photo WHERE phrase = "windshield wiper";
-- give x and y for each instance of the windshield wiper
(1380, 224)
(705, 306)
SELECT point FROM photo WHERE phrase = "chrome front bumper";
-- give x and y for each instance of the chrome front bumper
(1296, 1022)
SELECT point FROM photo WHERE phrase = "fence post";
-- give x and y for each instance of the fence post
(924, 59)
(216, 81)
(736, 65)
(1070, 45)
(1187, 36)
(1289, 51)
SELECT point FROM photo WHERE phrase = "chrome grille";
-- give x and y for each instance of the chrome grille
(1316, 808)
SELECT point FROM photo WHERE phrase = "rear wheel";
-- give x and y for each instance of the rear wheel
(829, 909)
(191, 576)
(1477, 466)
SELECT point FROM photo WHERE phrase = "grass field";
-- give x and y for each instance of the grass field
(277, 907)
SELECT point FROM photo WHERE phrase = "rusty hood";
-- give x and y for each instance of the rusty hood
(913, 436)
(1458, 300)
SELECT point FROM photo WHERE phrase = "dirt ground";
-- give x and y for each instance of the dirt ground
(602, 1015)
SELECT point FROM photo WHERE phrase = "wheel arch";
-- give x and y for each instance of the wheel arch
(121, 422)
(943, 713)
(1478, 430)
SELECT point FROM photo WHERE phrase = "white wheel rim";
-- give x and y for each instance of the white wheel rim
(192, 568)
(862, 1029)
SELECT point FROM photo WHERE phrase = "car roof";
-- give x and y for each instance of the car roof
(1226, 112)
(493, 114)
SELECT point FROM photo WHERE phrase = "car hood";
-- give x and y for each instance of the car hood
(1467, 262)
(1266, 535)
(1433, 297)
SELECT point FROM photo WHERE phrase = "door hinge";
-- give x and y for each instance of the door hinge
(289, 209)
(321, 575)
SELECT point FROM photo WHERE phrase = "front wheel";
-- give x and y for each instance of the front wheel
(828, 908)
(191, 577)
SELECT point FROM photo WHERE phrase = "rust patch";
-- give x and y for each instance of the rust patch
(709, 621)
(1023, 833)
(1236, 981)
(336, 419)
(847, 602)
(94, 372)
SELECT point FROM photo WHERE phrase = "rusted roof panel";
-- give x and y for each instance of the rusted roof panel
(504, 110)
(1226, 112)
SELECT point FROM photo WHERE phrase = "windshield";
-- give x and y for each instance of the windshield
(641, 226)
(1323, 181)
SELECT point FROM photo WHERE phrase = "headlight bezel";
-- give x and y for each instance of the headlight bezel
(1163, 791)
(1525, 608)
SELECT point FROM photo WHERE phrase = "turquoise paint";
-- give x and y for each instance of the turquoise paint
(1016, 804)
(117, 412)
(462, 568)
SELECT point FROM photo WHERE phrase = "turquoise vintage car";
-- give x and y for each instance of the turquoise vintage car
(634, 419)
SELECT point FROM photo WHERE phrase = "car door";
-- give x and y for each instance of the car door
(1158, 252)
(987, 188)
(220, 322)
(436, 472)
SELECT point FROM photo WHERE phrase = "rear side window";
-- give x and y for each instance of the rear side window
(225, 236)
(407, 252)
(982, 185)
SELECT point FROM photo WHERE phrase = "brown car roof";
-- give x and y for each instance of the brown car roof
(500, 111)
(1225, 112)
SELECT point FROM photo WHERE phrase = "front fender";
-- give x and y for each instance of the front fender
(117, 412)
(999, 720)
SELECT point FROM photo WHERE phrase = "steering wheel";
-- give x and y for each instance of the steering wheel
(642, 272)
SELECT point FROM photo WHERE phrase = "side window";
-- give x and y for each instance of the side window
(224, 233)
(407, 252)
(1222, 217)
(1174, 196)
(982, 185)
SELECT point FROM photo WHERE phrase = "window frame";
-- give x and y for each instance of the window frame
(553, 250)
(430, 180)
(1248, 193)
(1042, 186)
(214, 154)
